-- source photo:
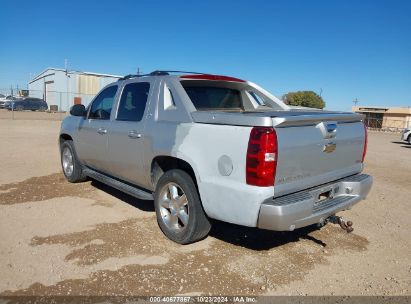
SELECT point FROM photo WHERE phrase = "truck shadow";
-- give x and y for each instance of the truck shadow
(403, 143)
(258, 239)
(241, 236)
(400, 143)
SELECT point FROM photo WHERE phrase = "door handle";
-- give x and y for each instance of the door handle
(102, 131)
(134, 134)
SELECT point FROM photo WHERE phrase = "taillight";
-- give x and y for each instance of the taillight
(364, 151)
(262, 155)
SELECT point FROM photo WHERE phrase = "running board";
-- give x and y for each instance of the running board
(126, 188)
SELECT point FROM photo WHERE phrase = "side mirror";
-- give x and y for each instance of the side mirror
(78, 110)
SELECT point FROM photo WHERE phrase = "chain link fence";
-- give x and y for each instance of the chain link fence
(59, 103)
(23, 104)
(387, 125)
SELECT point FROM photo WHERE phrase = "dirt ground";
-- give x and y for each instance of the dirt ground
(58, 238)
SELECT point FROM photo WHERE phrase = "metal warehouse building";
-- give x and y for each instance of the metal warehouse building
(65, 88)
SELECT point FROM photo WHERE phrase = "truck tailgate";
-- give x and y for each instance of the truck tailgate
(316, 153)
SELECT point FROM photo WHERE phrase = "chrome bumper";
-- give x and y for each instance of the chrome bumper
(304, 208)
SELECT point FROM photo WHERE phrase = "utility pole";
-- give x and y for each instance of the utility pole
(67, 86)
(355, 101)
(321, 91)
(138, 71)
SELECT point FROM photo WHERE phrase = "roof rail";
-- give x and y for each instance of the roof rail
(158, 73)
(178, 72)
(132, 76)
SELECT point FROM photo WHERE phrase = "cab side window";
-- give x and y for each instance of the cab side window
(133, 101)
(102, 105)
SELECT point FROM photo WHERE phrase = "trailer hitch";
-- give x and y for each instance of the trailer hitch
(346, 225)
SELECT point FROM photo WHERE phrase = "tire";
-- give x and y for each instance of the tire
(409, 139)
(72, 169)
(181, 220)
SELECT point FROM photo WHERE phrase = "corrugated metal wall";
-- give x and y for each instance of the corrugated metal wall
(67, 87)
(87, 84)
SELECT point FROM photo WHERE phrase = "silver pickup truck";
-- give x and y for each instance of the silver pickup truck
(208, 146)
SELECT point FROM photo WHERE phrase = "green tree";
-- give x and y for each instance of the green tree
(304, 99)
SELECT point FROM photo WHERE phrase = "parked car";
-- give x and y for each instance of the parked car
(7, 105)
(207, 146)
(7, 99)
(29, 103)
(406, 135)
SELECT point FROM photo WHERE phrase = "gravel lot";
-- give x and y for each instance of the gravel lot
(58, 238)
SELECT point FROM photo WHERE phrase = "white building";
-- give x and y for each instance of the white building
(65, 88)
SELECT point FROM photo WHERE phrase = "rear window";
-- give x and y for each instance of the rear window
(214, 98)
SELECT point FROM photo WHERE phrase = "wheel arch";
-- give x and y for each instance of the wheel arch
(163, 163)
(63, 137)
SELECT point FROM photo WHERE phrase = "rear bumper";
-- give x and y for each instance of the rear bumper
(303, 208)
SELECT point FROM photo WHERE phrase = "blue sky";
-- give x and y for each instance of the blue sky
(349, 49)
